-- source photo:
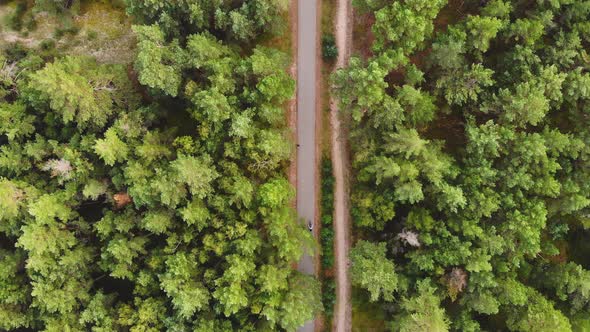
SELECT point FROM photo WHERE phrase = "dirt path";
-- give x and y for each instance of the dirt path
(343, 310)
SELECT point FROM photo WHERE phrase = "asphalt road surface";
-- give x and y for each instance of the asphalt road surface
(306, 124)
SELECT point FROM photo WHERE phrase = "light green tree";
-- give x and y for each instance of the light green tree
(371, 270)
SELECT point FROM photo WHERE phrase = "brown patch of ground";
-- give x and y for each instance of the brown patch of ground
(562, 257)
(450, 128)
(329, 273)
(362, 35)
(450, 14)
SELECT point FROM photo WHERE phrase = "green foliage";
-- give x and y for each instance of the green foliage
(371, 270)
(303, 300)
(99, 315)
(329, 48)
(329, 297)
(405, 25)
(327, 208)
(111, 149)
(422, 312)
(571, 283)
(94, 189)
(481, 30)
(79, 90)
(143, 315)
(465, 86)
(243, 22)
(276, 193)
(179, 283)
(497, 8)
(469, 139)
(526, 105)
(195, 213)
(327, 237)
(196, 173)
(539, 315)
(15, 20)
(10, 201)
(15, 293)
(152, 197)
(159, 65)
(157, 221)
(54, 5)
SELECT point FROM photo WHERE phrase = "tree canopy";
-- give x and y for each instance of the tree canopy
(471, 160)
(153, 197)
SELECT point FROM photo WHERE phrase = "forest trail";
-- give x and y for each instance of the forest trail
(343, 310)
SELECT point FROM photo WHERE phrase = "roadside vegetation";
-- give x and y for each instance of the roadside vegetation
(328, 54)
(148, 193)
(329, 48)
(327, 242)
(327, 32)
(471, 165)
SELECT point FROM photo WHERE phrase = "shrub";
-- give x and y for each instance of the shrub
(329, 48)
(15, 21)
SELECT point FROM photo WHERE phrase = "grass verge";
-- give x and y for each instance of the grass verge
(328, 8)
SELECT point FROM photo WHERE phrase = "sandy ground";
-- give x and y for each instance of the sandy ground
(343, 310)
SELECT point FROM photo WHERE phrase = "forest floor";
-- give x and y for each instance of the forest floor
(99, 30)
(343, 310)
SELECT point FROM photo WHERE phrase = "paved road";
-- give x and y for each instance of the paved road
(306, 123)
